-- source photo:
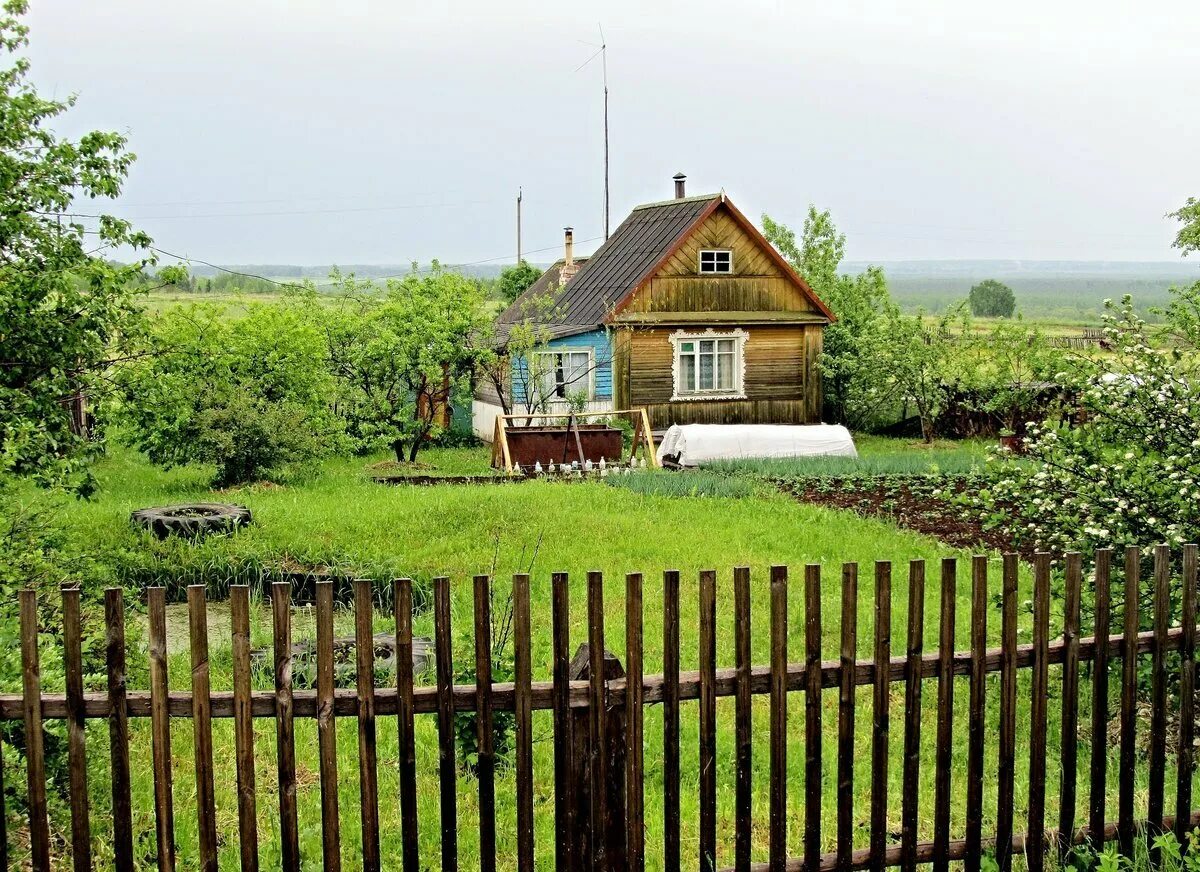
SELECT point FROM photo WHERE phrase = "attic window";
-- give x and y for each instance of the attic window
(716, 260)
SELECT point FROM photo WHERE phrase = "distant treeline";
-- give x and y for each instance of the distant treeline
(1053, 297)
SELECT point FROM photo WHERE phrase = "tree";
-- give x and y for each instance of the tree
(250, 394)
(1187, 239)
(515, 280)
(920, 362)
(857, 388)
(992, 299)
(398, 359)
(67, 315)
(1013, 363)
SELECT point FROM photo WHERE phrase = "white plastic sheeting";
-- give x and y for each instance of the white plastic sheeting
(694, 444)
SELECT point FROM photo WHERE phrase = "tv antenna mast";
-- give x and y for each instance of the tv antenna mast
(602, 53)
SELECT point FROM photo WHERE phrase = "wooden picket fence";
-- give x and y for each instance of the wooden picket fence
(598, 707)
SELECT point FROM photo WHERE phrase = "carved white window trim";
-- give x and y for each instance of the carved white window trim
(740, 338)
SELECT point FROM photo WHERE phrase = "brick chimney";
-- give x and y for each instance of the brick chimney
(679, 178)
(569, 267)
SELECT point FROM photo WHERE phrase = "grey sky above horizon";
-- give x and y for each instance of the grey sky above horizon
(311, 133)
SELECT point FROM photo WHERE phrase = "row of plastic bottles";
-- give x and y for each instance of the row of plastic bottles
(603, 468)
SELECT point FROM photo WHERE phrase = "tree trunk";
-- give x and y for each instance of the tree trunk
(398, 447)
(414, 448)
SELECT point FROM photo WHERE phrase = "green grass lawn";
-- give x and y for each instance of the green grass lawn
(339, 518)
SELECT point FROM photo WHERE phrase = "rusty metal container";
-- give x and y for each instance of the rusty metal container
(529, 445)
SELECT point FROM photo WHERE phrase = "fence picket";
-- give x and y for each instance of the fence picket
(812, 716)
(634, 833)
(597, 722)
(846, 694)
(35, 766)
(81, 835)
(202, 741)
(975, 714)
(912, 714)
(406, 734)
(118, 732)
(744, 730)
(160, 730)
(1099, 768)
(671, 720)
(1007, 764)
(285, 729)
(564, 799)
(1039, 686)
(1125, 770)
(779, 663)
(447, 767)
(1185, 756)
(1069, 743)
(708, 721)
(485, 765)
(243, 727)
(1158, 697)
(523, 678)
(327, 730)
(945, 721)
(882, 693)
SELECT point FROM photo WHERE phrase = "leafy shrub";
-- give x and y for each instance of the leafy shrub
(249, 395)
(1129, 473)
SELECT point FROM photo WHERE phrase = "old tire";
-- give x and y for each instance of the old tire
(192, 520)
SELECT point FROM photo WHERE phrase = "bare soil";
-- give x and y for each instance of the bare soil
(912, 506)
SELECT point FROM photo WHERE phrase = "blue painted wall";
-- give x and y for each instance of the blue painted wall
(598, 341)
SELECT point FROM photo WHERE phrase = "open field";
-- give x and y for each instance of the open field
(339, 518)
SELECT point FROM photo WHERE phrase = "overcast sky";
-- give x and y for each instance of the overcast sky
(315, 132)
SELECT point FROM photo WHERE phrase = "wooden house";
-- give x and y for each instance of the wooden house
(686, 310)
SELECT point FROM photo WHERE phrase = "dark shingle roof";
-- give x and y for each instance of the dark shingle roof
(520, 310)
(616, 268)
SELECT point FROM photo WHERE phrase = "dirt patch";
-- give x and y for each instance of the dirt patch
(908, 503)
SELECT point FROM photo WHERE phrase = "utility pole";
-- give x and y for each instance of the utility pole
(604, 66)
(602, 51)
(518, 226)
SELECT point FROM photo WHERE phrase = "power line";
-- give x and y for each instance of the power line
(292, 284)
(284, 212)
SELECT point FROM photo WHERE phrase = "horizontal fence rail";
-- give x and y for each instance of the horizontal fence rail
(597, 704)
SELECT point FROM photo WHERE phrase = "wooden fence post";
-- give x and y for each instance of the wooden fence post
(613, 837)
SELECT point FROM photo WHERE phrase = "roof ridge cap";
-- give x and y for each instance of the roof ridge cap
(693, 199)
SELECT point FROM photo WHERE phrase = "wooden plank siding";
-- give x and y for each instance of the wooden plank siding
(781, 382)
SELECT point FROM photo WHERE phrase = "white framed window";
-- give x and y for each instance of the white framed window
(709, 365)
(562, 374)
(716, 261)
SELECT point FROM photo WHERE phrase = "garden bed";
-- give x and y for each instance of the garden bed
(919, 503)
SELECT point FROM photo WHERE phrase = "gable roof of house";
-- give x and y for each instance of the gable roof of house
(634, 252)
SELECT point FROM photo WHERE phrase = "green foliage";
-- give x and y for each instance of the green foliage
(66, 315)
(1129, 473)
(684, 483)
(857, 389)
(397, 359)
(920, 362)
(1187, 239)
(992, 299)
(248, 394)
(514, 280)
(1008, 367)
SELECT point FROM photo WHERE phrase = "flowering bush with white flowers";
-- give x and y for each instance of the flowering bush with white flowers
(1127, 472)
